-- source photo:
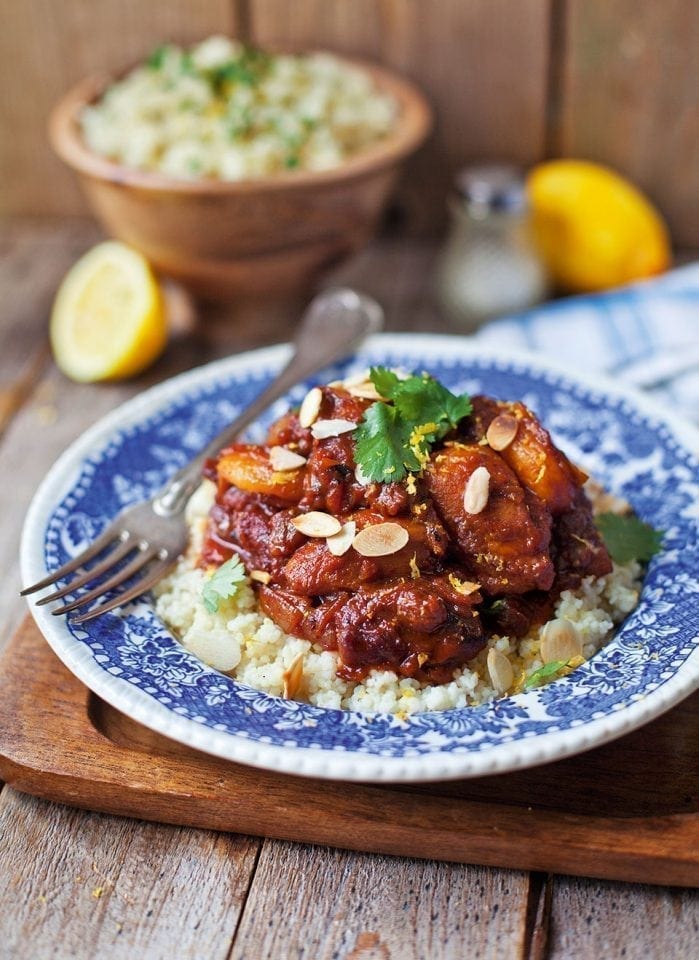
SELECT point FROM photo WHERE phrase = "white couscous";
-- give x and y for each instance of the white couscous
(225, 111)
(240, 640)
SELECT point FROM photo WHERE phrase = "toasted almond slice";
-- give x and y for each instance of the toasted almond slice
(282, 458)
(354, 379)
(380, 539)
(560, 640)
(310, 407)
(317, 524)
(502, 431)
(293, 677)
(500, 670)
(340, 542)
(322, 429)
(260, 575)
(365, 390)
(477, 489)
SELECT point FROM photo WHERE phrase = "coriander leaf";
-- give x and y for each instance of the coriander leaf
(224, 583)
(392, 440)
(628, 538)
(544, 673)
(422, 399)
(425, 400)
(382, 445)
(385, 381)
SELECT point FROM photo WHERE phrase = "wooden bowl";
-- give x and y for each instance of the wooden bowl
(224, 239)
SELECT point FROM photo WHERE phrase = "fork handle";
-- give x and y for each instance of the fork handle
(334, 325)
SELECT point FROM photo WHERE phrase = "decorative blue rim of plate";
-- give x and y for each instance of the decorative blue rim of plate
(134, 663)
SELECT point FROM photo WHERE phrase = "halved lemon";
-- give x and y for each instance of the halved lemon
(108, 319)
(594, 228)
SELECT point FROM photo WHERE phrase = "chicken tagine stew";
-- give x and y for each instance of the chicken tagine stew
(401, 526)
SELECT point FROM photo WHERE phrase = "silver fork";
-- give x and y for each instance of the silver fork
(149, 537)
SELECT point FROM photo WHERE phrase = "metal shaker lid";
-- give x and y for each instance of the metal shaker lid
(486, 188)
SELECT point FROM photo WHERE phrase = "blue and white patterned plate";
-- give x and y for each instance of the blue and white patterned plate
(135, 664)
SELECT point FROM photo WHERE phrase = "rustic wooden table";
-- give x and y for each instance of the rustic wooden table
(75, 884)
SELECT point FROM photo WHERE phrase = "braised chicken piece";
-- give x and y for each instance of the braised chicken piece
(505, 545)
(461, 567)
(539, 465)
(577, 546)
(313, 570)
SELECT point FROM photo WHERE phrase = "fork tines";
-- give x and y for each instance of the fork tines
(124, 545)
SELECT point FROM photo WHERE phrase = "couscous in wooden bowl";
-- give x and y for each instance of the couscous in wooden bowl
(269, 235)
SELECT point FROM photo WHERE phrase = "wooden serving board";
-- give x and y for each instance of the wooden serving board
(625, 811)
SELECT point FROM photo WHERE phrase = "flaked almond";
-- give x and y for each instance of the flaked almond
(502, 431)
(477, 489)
(310, 407)
(293, 678)
(322, 429)
(380, 539)
(560, 640)
(317, 524)
(500, 670)
(340, 542)
(261, 576)
(354, 379)
(365, 390)
(282, 458)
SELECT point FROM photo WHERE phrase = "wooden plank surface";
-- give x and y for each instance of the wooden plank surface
(637, 922)
(46, 47)
(82, 885)
(629, 98)
(373, 908)
(610, 920)
(60, 743)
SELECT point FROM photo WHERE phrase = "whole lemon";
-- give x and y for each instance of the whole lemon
(595, 230)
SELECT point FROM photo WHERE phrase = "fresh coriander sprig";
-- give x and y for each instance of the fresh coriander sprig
(223, 584)
(394, 436)
(628, 538)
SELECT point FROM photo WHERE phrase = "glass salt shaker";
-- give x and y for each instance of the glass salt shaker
(490, 265)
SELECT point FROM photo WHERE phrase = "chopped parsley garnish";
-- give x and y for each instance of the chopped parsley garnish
(394, 437)
(247, 70)
(223, 584)
(157, 57)
(544, 673)
(628, 538)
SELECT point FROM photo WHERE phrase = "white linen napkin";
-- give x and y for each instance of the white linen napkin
(646, 335)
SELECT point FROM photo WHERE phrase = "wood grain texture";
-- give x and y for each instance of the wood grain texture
(591, 920)
(338, 905)
(83, 885)
(45, 47)
(630, 76)
(61, 744)
(482, 63)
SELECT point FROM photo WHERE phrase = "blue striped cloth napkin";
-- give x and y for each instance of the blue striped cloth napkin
(645, 335)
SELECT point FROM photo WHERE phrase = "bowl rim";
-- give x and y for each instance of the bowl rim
(415, 121)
